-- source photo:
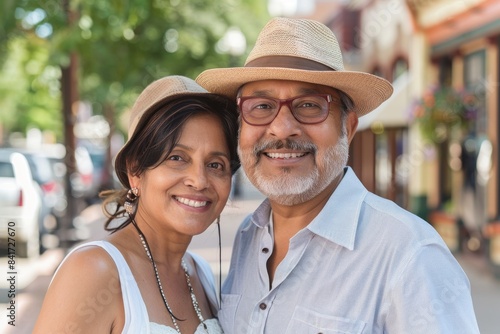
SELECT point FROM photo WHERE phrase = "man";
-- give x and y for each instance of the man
(321, 254)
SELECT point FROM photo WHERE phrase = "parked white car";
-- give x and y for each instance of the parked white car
(20, 205)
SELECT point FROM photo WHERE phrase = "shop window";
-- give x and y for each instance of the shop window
(392, 165)
(445, 71)
(474, 209)
(400, 67)
(445, 173)
(475, 82)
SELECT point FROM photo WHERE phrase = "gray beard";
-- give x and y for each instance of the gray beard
(287, 189)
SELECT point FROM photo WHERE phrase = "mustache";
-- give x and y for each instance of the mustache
(286, 144)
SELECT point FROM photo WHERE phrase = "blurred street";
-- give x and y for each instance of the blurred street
(432, 147)
(34, 275)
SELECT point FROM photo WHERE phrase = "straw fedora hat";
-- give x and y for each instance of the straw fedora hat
(299, 50)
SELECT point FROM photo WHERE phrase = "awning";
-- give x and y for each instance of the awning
(393, 112)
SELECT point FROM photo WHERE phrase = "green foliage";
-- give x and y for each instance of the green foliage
(29, 89)
(122, 45)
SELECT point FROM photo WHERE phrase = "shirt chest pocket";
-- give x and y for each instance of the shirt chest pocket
(305, 321)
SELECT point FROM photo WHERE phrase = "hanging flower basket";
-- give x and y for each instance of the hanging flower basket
(441, 110)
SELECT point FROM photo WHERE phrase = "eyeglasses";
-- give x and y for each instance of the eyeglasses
(307, 109)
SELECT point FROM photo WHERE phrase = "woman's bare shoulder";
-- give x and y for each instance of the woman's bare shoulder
(91, 257)
(85, 292)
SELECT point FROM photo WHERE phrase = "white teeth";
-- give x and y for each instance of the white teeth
(190, 202)
(285, 155)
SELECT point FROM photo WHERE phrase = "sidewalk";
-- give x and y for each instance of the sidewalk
(32, 279)
(485, 292)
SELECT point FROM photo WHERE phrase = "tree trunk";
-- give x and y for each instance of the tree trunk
(69, 93)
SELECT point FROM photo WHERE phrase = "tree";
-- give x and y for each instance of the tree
(29, 89)
(120, 47)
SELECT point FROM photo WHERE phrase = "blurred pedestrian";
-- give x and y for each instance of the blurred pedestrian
(176, 168)
(321, 253)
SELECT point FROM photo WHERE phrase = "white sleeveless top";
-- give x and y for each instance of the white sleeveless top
(136, 314)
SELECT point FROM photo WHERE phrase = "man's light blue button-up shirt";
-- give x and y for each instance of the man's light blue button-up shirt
(363, 265)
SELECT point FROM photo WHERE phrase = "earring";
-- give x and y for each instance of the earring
(129, 205)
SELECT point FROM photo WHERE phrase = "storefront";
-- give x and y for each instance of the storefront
(464, 55)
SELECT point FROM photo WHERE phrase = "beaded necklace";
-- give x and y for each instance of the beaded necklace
(160, 288)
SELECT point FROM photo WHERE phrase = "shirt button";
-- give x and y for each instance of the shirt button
(265, 250)
(263, 306)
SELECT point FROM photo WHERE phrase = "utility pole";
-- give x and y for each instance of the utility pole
(69, 90)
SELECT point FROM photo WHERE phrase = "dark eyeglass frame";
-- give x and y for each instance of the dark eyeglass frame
(288, 103)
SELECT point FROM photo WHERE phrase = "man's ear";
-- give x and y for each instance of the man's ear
(351, 125)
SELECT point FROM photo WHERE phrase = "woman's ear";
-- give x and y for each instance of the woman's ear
(133, 180)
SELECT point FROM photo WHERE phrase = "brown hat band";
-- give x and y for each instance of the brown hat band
(288, 62)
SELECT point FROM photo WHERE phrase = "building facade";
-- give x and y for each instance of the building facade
(462, 39)
(447, 174)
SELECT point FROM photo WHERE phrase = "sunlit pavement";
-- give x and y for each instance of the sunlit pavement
(33, 276)
(485, 292)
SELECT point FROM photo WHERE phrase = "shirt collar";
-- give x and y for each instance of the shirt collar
(338, 221)
(260, 217)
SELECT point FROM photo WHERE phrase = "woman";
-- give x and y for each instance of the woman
(176, 168)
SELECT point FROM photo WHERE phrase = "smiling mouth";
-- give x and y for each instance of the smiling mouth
(285, 155)
(190, 202)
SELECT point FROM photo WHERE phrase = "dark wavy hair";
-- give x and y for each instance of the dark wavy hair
(155, 136)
